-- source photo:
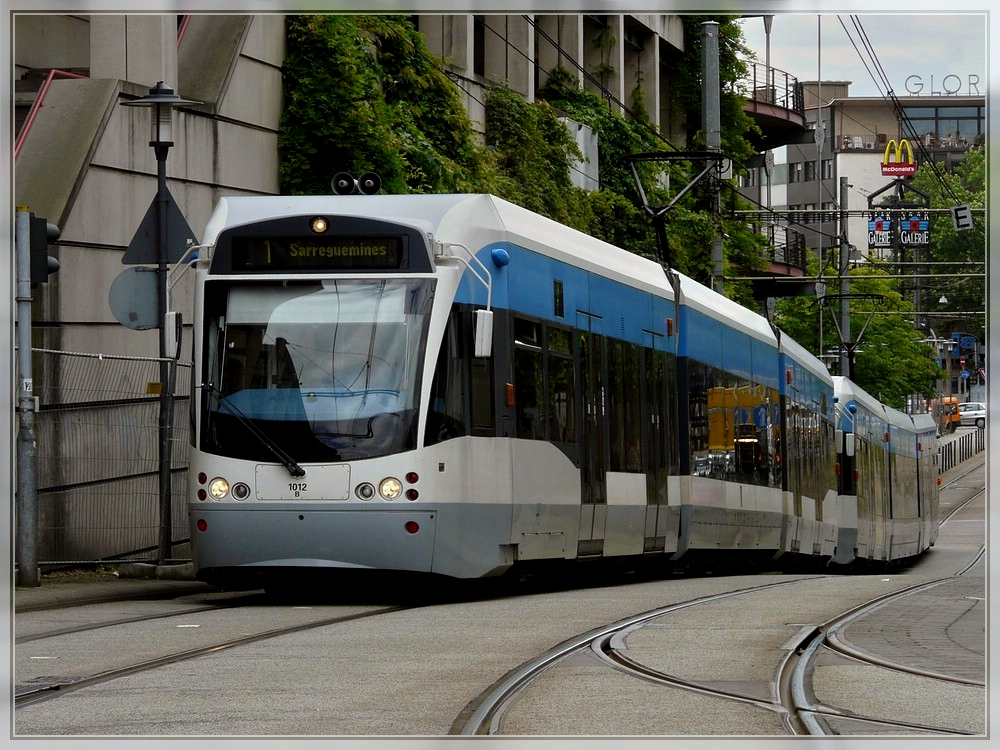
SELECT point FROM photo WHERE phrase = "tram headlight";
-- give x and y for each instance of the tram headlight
(365, 491)
(218, 488)
(390, 488)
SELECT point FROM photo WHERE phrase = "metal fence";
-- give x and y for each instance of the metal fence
(97, 454)
(962, 448)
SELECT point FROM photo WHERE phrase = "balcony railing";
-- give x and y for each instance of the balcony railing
(772, 86)
(878, 141)
(787, 246)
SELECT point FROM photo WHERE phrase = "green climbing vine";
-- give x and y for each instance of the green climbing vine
(363, 93)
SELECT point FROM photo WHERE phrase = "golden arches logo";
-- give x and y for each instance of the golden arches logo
(898, 167)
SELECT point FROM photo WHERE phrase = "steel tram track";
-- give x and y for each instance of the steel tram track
(483, 715)
(56, 689)
(962, 506)
(811, 715)
(120, 621)
(828, 635)
(800, 717)
(180, 591)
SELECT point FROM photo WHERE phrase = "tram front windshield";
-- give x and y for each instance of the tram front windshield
(324, 371)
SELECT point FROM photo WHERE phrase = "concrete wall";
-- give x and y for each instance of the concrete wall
(58, 42)
(86, 164)
(609, 55)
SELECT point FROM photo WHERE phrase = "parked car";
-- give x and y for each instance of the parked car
(973, 413)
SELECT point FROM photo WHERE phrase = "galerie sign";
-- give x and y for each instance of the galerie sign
(899, 228)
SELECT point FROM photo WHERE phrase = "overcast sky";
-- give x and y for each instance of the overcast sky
(877, 52)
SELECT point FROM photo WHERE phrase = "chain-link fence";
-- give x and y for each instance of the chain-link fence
(97, 437)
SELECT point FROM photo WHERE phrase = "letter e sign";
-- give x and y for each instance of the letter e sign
(961, 217)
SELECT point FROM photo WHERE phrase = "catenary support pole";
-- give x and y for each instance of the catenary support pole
(712, 128)
(845, 282)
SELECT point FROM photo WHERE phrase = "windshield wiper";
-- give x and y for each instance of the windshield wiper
(287, 461)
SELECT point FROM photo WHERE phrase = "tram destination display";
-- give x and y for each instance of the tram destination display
(333, 253)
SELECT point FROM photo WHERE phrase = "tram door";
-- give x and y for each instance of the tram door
(593, 444)
(795, 424)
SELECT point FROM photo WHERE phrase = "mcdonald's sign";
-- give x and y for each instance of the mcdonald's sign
(897, 167)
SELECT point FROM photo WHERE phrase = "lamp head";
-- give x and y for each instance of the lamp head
(161, 100)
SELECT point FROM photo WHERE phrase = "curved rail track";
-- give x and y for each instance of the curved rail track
(790, 686)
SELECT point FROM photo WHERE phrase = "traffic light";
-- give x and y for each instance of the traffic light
(43, 232)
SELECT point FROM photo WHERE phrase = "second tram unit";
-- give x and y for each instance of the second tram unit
(452, 384)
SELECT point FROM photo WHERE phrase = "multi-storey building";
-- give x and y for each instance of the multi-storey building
(849, 138)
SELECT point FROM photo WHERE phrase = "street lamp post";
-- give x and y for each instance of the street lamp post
(160, 101)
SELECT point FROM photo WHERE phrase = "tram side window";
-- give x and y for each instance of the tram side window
(699, 381)
(659, 424)
(482, 395)
(544, 382)
(624, 406)
(529, 392)
(446, 418)
(562, 387)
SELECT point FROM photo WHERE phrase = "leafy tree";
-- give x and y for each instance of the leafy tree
(534, 151)
(892, 358)
(691, 223)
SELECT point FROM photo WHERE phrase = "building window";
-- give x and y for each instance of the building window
(479, 45)
(827, 167)
(947, 126)
(795, 172)
(810, 171)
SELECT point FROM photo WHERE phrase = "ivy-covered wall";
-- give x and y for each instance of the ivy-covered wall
(363, 93)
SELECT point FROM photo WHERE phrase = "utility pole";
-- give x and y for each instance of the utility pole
(716, 164)
(160, 101)
(712, 128)
(27, 501)
(845, 284)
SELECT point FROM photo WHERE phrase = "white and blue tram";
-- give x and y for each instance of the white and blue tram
(887, 477)
(452, 384)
